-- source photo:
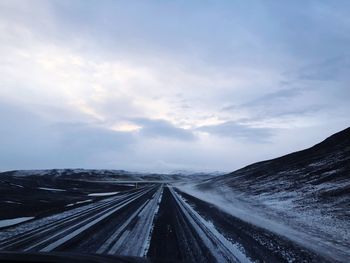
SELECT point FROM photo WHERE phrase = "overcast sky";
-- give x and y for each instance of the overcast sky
(169, 85)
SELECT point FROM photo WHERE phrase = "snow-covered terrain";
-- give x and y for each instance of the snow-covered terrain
(157, 222)
(291, 209)
(33, 192)
(304, 196)
(107, 175)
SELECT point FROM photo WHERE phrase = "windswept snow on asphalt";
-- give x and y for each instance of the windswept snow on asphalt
(12, 202)
(107, 245)
(79, 202)
(103, 194)
(49, 233)
(134, 241)
(221, 248)
(17, 185)
(52, 189)
(155, 208)
(46, 220)
(81, 227)
(14, 221)
(283, 224)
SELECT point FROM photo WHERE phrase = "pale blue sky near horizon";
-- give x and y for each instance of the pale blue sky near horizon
(169, 85)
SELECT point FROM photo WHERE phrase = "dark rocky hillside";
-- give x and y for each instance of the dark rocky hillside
(304, 196)
(315, 177)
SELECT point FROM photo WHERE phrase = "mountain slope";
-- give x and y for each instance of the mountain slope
(304, 196)
(317, 177)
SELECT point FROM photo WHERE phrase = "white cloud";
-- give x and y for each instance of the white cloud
(194, 97)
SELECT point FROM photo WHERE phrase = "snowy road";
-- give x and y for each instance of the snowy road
(188, 229)
(157, 222)
(85, 229)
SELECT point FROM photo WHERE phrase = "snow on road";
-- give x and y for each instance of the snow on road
(103, 194)
(14, 221)
(107, 245)
(12, 202)
(131, 234)
(79, 202)
(21, 229)
(81, 226)
(221, 248)
(249, 212)
(52, 189)
(148, 241)
(134, 241)
(17, 185)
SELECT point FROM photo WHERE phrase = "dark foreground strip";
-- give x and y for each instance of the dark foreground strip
(15, 257)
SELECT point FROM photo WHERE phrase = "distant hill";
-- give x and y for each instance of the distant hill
(101, 175)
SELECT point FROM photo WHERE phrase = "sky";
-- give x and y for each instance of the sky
(167, 86)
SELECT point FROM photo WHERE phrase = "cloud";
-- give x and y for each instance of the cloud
(88, 138)
(334, 68)
(281, 94)
(162, 128)
(29, 140)
(91, 84)
(284, 108)
(239, 132)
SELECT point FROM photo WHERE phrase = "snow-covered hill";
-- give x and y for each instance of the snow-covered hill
(104, 175)
(318, 177)
(308, 191)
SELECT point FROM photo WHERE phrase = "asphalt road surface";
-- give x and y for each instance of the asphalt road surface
(157, 222)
